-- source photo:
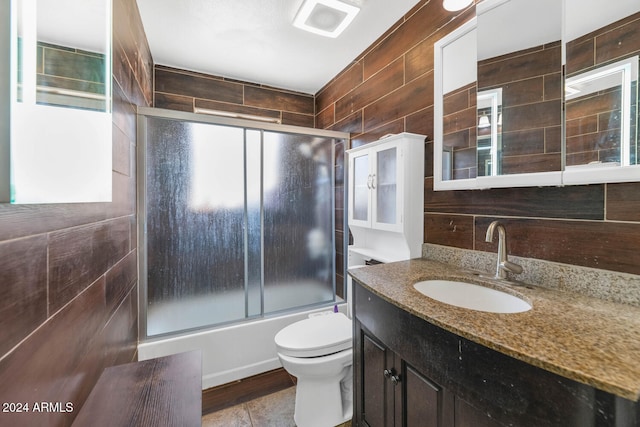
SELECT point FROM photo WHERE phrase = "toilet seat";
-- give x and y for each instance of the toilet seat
(316, 336)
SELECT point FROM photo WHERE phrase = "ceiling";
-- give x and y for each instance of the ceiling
(254, 40)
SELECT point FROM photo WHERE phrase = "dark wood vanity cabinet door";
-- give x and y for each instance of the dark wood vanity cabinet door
(425, 403)
(373, 382)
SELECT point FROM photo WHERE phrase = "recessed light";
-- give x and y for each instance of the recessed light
(327, 18)
(455, 5)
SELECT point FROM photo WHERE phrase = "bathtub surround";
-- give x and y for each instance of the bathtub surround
(68, 271)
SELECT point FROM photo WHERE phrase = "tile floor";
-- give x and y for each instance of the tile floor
(272, 410)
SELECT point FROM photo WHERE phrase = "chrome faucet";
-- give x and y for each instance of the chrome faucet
(503, 265)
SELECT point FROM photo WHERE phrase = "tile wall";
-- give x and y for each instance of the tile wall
(68, 272)
(186, 90)
(389, 89)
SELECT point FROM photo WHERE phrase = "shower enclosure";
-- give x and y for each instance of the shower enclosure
(235, 220)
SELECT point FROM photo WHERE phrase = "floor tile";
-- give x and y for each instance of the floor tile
(235, 416)
(273, 410)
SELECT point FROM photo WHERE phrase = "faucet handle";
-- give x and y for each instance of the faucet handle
(511, 267)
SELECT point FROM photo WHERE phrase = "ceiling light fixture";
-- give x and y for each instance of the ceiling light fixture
(327, 18)
(455, 5)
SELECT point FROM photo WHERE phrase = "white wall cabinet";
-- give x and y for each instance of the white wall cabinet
(386, 185)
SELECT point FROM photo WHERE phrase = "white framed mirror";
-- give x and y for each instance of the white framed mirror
(58, 144)
(525, 139)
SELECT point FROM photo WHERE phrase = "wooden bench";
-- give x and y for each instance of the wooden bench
(166, 391)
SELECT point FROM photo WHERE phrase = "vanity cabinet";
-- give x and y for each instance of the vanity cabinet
(380, 176)
(409, 372)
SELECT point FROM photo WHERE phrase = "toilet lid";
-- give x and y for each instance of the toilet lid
(315, 336)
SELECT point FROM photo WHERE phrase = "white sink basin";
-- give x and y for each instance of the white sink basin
(474, 297)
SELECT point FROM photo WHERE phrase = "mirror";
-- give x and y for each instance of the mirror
(59, 140)
(601, 90)
(519, 56)
(517, 137)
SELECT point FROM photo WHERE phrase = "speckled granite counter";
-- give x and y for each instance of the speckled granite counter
(585, 339)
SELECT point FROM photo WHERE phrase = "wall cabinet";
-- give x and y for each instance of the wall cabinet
(408, 372)
(380, 174)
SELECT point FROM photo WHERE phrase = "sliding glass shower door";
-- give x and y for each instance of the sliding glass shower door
(236, 222)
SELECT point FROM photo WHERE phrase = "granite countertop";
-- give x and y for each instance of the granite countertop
(589, 340)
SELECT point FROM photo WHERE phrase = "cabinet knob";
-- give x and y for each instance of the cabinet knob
(391, 374)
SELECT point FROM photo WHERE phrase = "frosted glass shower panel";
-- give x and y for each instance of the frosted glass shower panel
(298, 221)
(253, 236)
(195, 225)
(386, 182)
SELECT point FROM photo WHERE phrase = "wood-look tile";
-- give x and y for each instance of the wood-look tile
(78, 256)
(197, 86)
(174, 102)
(518, 66)
(449, 230)
(577, 201)
(119, 335)
(23, 293)
(46, 366)
(295, 119)
(120, 279)
(326, 118)
(623, 202)
(525, 91)
(580, 56)
(593, 104)
(351, 124)
(278, 100)
(418, 27)
(532, 163)
(416, 95)
(419, 59)
(603, 245)
(541, 114)
(350, 78)
(621, 41)
(396, 126)
(421, 122)
(387, 80)
(531, 141)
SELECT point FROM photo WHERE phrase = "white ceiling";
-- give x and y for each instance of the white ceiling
(254, 41)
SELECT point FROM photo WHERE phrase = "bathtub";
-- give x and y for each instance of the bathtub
(232, 352)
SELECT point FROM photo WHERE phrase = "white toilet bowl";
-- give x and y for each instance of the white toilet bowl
(318, 351)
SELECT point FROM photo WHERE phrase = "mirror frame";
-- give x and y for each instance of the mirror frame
(570, 176)
(77, 166)
(483, 182)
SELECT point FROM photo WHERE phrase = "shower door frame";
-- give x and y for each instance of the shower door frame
(141, 219)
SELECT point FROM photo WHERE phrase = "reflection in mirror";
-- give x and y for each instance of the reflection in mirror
(601, 88)
(457, 130)
(519, 54)
(489, 132)
(60, 138)
(601, 107)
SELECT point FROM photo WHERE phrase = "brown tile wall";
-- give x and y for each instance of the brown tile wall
(531, 107)
(595, 226)
(593, 122)
(185, 90)
(68, 272)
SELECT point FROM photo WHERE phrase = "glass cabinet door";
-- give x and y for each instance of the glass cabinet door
(361, 188)
(386, 186)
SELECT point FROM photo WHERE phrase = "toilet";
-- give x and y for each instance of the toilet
(318, 351)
